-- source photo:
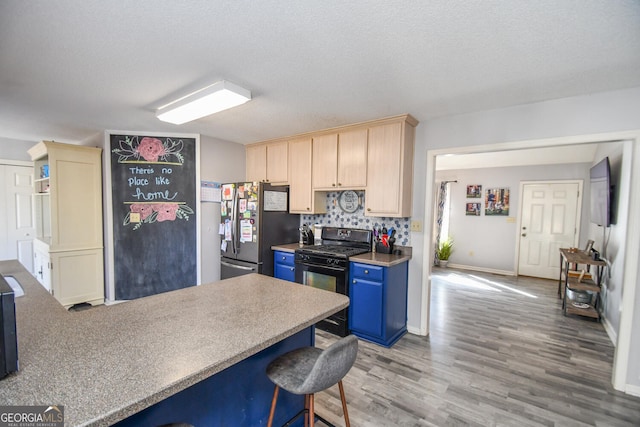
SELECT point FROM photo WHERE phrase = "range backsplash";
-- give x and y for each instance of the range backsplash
(336, 217)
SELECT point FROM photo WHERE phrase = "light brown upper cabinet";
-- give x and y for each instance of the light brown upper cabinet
(340, 160)
(375, 156)
(301, 197)
(268, 162)
(390, 173)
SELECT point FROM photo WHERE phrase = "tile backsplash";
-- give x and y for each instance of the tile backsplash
(336, 217)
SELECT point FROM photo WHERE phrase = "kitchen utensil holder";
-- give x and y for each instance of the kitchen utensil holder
(382, 249)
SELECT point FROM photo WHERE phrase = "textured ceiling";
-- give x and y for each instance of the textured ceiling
(70, 69)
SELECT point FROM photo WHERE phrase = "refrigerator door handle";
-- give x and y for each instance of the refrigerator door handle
(239, 267)
(234, 214)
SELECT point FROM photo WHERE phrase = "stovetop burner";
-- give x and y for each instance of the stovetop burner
(333, 250)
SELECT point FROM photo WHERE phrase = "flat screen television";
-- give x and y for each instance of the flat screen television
(601, 193)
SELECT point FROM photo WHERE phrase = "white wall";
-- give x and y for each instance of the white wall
(13, 149)
(522, 126)
(525, 126)
(220, 161)
(633, 375)
(610, 241)
(489, 242)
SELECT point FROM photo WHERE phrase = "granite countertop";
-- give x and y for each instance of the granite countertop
(383, 260)
(374, 258)
(109, 362)
(289, 247)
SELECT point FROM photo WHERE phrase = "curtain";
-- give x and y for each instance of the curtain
(442, 197)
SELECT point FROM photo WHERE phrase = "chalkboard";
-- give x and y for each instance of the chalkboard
(153, 185)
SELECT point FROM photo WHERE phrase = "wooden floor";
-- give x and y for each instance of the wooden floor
(500, 353)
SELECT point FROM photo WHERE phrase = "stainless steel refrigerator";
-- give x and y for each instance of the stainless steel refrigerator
(254, 217)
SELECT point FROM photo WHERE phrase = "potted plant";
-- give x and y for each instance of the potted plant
(444, 251)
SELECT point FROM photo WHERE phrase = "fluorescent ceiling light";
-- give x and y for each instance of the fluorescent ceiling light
(211, 99)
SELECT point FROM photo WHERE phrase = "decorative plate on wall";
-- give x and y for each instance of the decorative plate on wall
(349, 201)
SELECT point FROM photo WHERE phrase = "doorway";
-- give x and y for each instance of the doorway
(630, 247)
(16, 220)
(549, 220)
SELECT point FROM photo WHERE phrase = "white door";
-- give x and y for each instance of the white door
(549, 221)
(16, 219)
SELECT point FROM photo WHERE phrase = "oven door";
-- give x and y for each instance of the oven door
(332, 279)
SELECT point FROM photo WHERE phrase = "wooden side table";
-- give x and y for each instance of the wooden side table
(568, 281)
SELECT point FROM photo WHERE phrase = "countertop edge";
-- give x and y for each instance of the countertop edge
(373, 258)
(53, 317)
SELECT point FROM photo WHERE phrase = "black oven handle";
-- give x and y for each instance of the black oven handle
(322, 266)
(333, 322)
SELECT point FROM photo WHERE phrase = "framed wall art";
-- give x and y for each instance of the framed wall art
(473, 209)
(497, 202)
(474, 191)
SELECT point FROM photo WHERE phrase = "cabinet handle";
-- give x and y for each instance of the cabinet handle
(339, 184)
(354, 281)
(333, 185)
(284, 257)
(368, 209)
(308, 209)
(293, 268)
(366, 272)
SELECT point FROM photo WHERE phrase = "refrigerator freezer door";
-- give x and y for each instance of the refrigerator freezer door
(234, 268)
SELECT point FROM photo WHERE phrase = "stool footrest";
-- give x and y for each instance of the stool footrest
(302, 412)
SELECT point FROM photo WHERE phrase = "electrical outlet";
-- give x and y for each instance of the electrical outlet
(416, 226)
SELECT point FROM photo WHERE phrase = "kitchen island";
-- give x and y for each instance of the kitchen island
(114, 363)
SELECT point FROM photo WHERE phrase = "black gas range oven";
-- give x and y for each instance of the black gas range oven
(326, 266)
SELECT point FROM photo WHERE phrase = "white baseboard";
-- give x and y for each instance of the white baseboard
(633, 390)
(414, 331)
(483, 269)
(613, 336)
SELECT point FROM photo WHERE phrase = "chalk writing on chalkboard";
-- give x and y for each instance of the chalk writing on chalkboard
(150, 149)
(149, 177)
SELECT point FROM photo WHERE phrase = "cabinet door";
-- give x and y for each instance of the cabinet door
(365, 311)
(278, 162)
(284, 266)
(41, 268)
(77, 277)
(383, 178)
(256, 163)
(325, 161)
(285, 272)
(75, 197)
(300, 193)
(390, 170)
(352, 159)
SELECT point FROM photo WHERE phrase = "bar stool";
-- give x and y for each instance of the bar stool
(309, 370)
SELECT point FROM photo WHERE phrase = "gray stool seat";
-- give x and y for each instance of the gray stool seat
(309, 370)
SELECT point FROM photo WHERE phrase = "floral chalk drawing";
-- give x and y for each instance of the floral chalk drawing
(149, 149)
(156, 212)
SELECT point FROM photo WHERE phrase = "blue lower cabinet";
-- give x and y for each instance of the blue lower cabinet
(378, 309)
(284, 266)
(237, 396)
